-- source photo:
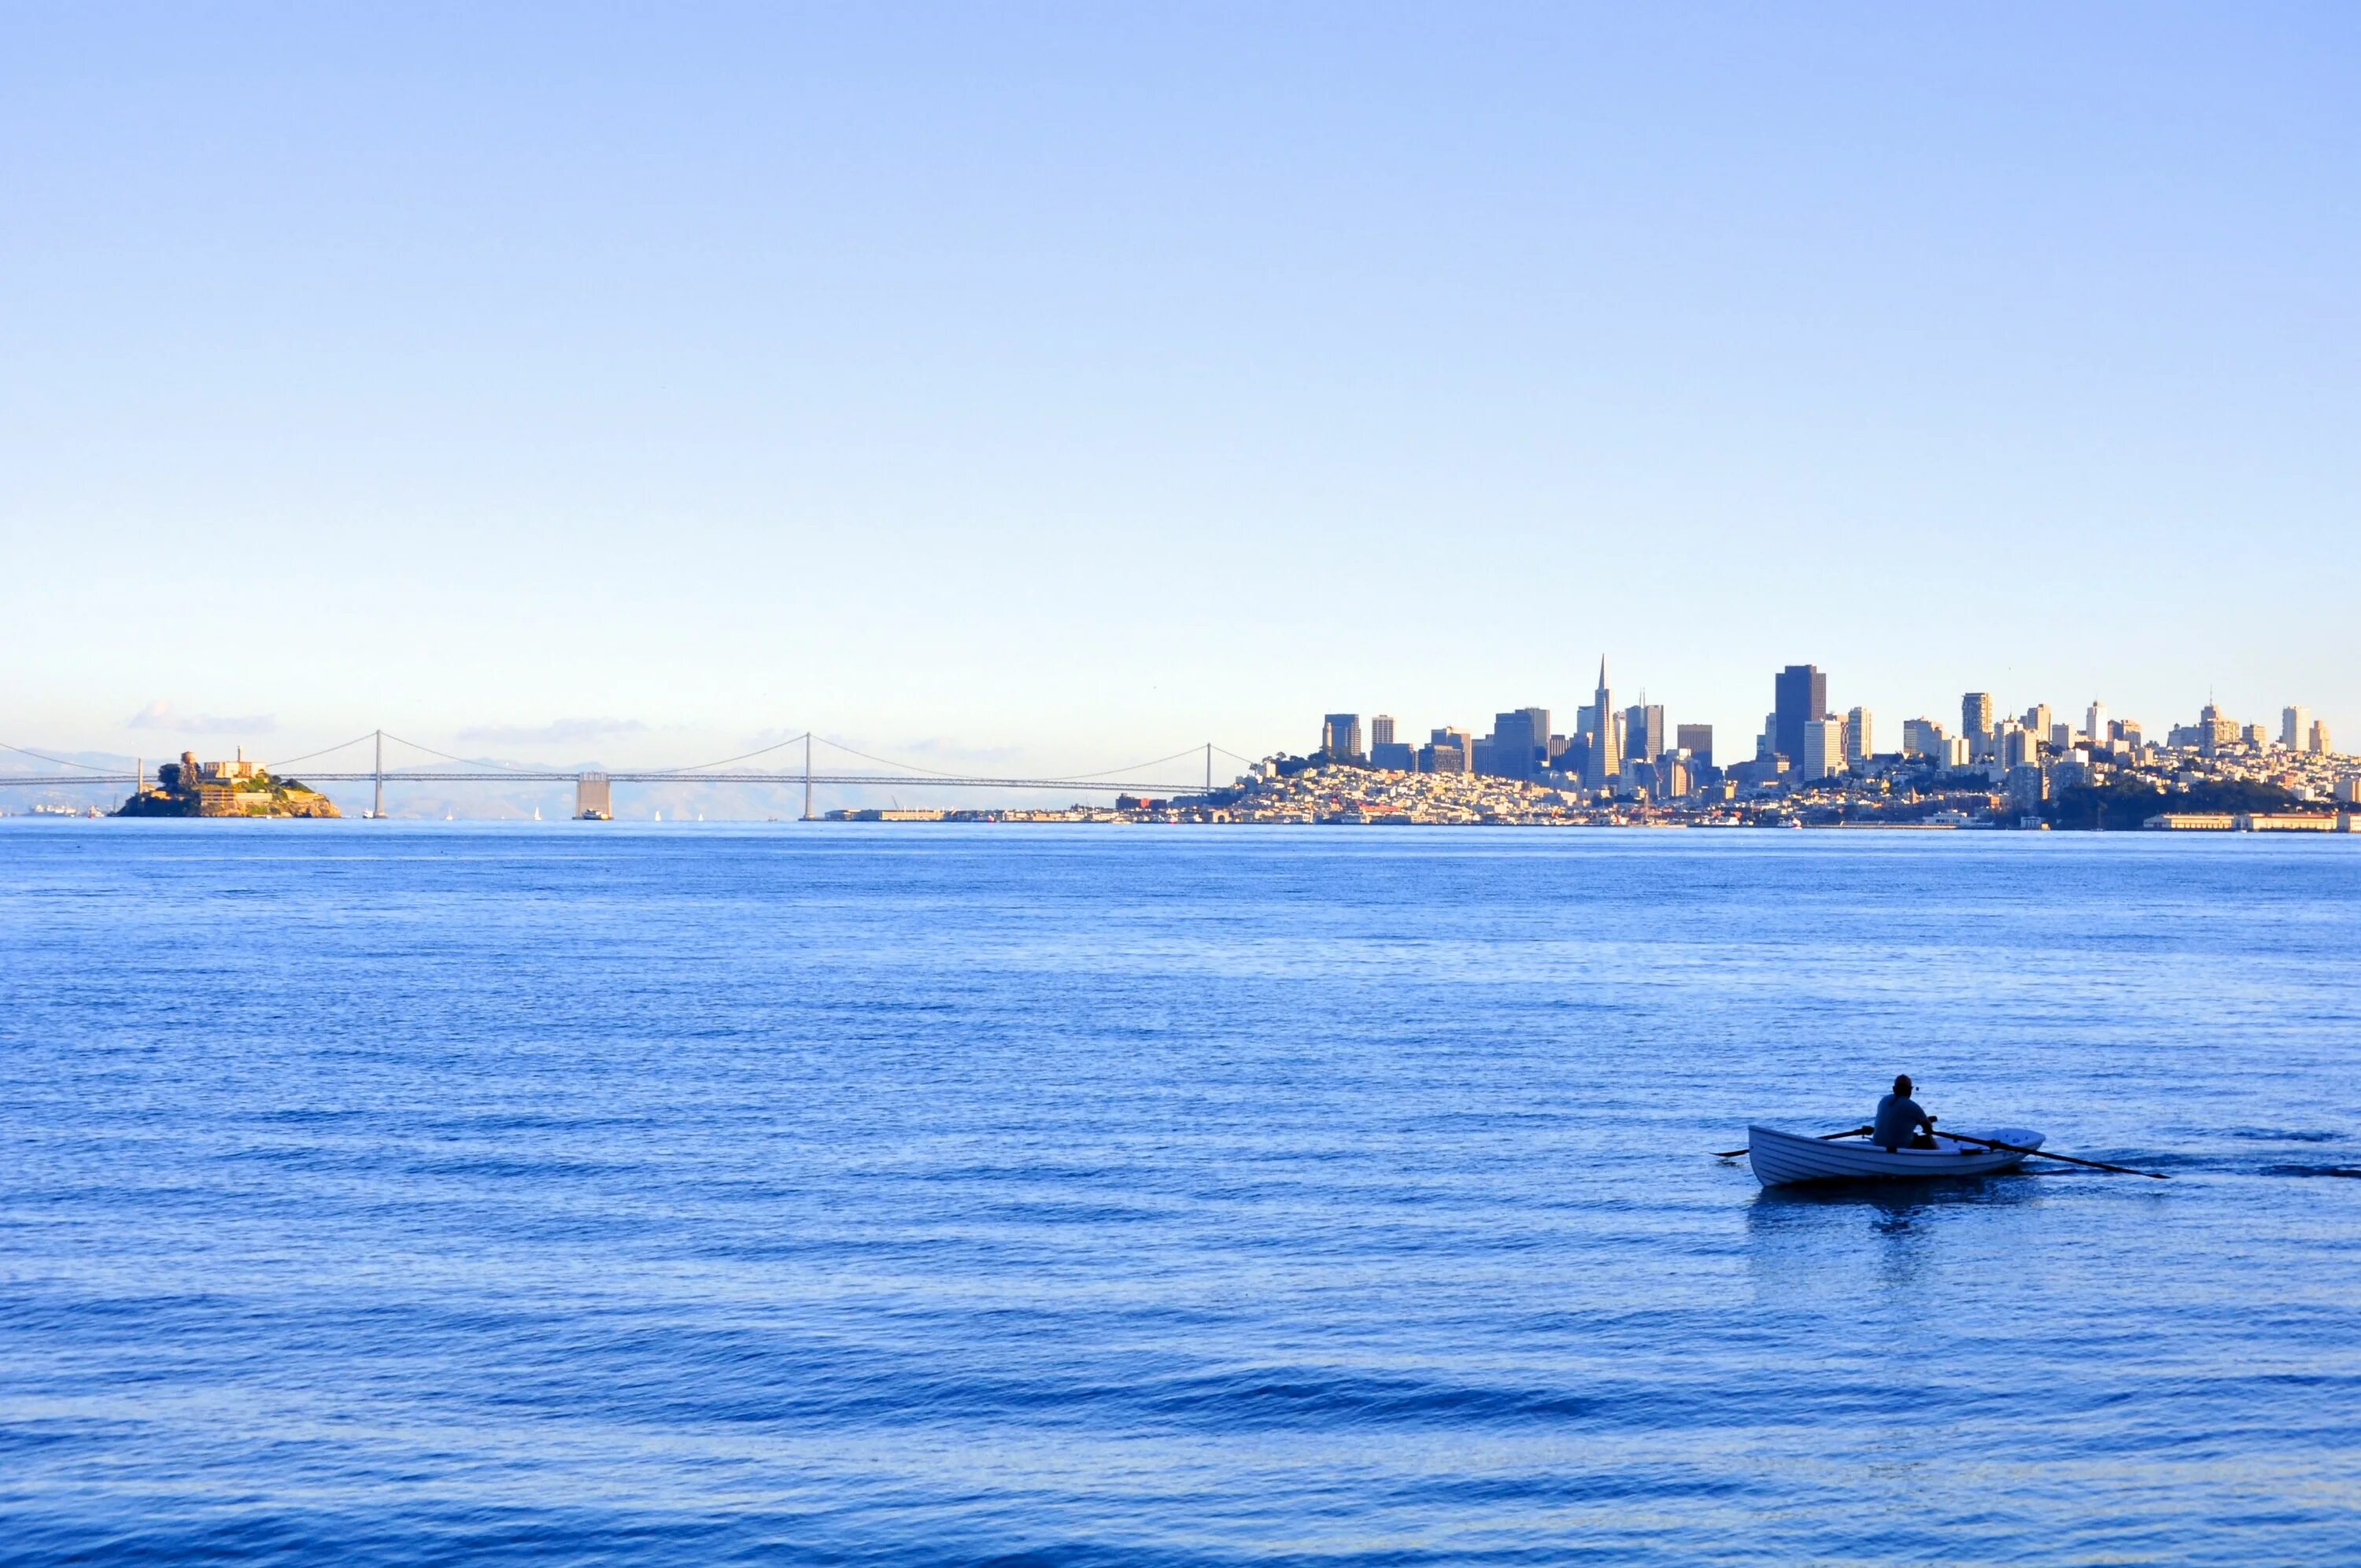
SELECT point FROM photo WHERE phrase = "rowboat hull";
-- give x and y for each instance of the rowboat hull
(1784, 1160)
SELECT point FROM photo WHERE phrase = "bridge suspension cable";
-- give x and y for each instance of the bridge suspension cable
(289, 761)
(60, 761)
(743, 756)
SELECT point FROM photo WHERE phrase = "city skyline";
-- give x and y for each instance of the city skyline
(167, 736)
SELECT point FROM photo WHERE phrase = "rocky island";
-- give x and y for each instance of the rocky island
(240, 788)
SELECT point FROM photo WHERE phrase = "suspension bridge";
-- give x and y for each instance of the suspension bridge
(593, 788)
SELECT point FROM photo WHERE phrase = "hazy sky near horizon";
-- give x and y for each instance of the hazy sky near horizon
(1065, 384)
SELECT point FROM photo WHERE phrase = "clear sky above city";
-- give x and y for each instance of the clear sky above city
(1062, 384)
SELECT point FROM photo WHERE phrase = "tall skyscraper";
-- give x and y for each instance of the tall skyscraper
(1447, 751)
(1859, 742)
(1644, 732)
(1606, 760)
(1801, 695)
(1696, 740)
(1381, 729)
(1537, 721)
(2295, 728)
(1518, 747)
(1340, 737)
(1823, 754)
(1976, 720)
(2319, 738)
(2094, 725)
(2037, 719)
(1923, 737)
(1385, 751)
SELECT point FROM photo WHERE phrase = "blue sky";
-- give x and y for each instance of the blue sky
(1056, 385)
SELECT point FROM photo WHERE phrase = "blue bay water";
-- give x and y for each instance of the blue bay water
(393, 1194)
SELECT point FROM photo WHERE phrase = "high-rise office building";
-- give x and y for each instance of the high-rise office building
(1800, 697)
(1922, 738)
(2213, 730)
(1605, 763)
(1340, 737)
(2295, 728)
(1385, 751)
(1518, 747)
(2061, 737)
(1823, 753)
(1976, 720)
(2319, 738)
(1381, 729)
(1644, 732)
(2037, 719)
(1860, 741)
(1537, 723)
(1696, 740)
(1448, 750)
(2094, 725)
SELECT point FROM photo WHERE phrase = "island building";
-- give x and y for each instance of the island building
(236, 788)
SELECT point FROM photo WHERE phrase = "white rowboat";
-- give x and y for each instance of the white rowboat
(1782, 1158)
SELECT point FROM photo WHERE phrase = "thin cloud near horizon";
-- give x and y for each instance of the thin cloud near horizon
(556, 731)
(162, 714)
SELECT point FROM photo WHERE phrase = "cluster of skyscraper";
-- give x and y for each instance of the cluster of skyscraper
(1609, 749)
(1629, 749)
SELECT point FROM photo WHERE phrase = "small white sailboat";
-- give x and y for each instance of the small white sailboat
(1782, 1159)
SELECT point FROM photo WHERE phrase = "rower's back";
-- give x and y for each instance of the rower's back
(1898, 1117)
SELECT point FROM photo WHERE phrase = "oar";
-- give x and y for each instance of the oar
(2043, 1154)
(1847, 1133)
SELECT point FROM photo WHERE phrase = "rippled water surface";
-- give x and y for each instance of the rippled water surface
(387, 1193)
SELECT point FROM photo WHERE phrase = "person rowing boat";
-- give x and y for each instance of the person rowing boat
(1899, 1117)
